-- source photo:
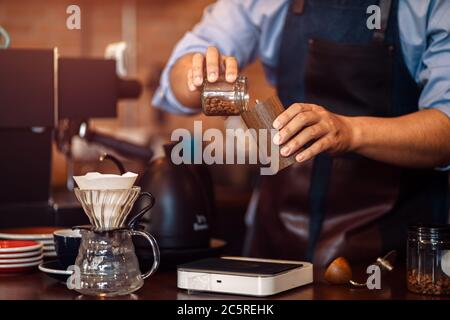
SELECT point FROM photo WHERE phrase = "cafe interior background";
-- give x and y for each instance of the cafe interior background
(150, 29)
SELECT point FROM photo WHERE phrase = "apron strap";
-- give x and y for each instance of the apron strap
(385, 8)
(318, 189)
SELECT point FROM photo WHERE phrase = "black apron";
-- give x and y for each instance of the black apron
(347, 205)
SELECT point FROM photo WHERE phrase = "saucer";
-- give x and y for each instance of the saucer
(49, 251)
(41, 235)
(18, 267)
(46, 243)
(54, 270)
(19, 246)
(21, 255)
(32, 233)
(50, 254)
(9, 261)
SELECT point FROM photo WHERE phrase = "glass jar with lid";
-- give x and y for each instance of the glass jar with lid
(428, 259)
(222, 98)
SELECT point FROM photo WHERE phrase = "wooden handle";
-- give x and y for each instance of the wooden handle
(261, 116)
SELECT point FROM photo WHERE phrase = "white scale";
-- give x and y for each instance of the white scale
(244, 276)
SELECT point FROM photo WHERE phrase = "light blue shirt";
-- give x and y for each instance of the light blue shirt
(250, 29)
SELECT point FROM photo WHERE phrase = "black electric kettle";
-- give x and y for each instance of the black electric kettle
(181, 217)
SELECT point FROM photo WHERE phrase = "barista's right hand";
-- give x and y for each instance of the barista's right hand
(212, 66)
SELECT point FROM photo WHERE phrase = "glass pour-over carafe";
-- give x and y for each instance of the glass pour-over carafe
(106, 260)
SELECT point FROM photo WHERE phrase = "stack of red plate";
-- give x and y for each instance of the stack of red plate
(43, 235)
(20, 255)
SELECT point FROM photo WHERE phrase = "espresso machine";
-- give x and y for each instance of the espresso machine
(28, 116)
(47, 99)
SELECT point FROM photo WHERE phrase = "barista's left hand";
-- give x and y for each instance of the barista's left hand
(305, 123)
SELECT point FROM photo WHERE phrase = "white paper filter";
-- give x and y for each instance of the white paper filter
(106, 206)
(98, 181)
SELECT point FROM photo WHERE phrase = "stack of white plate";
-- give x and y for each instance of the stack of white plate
(42, 235)
(20, 255)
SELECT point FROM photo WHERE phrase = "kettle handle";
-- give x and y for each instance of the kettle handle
(132, 224)
(155, 250)
(6, 41)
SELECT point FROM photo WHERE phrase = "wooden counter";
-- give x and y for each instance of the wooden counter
(38, 286)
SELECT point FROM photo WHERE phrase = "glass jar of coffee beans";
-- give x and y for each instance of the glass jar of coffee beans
(428, 259)
(223, 98)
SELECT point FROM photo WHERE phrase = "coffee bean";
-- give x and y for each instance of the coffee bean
(425, 284)
(217, 106)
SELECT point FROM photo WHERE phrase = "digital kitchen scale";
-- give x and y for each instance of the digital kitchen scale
(244, 276)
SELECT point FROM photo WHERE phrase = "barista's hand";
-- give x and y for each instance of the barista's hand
(212, 65)
(303, 123)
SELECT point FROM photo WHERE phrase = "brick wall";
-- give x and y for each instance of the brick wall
(159, 25)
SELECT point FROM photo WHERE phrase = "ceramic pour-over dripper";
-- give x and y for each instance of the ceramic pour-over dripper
(107, 199)
(107, 209)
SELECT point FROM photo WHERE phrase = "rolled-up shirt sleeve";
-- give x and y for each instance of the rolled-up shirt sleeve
(225, 24)
(434, 70)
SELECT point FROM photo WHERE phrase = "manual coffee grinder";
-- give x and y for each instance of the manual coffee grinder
(106, 261)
